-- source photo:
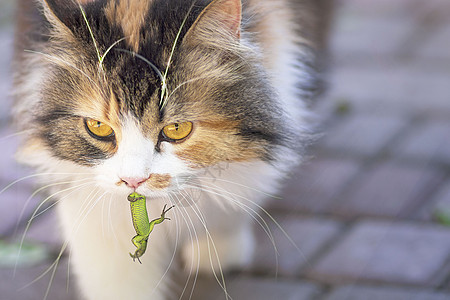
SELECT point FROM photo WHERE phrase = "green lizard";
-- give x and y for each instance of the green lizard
(141, 223)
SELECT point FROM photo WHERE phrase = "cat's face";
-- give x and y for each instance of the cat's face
(147, 102)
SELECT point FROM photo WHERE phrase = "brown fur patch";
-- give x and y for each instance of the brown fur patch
(159, 181)
(102, 107)
(130, 15)
(215, 142)
(90, 99)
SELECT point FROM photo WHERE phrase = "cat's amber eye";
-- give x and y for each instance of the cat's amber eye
(98, 129)
(178, 131)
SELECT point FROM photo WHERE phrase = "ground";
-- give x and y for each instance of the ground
(367, 211)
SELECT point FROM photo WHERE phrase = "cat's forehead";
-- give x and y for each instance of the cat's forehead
(142, 23)
(130, 16)
(135, 41)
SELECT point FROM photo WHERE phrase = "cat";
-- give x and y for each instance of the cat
(200, 104)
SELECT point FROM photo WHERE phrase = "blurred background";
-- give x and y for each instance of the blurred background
(369, 210)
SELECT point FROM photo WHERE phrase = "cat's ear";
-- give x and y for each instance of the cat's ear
(54, 11)
(219, 18)
(61, 13)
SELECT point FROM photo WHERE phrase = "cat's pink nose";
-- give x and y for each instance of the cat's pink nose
(134, 182)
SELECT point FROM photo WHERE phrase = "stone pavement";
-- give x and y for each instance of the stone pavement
(367, 211)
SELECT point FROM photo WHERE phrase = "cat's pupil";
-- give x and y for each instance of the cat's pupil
(176, 126)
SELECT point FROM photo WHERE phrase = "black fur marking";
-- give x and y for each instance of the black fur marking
(66, 142)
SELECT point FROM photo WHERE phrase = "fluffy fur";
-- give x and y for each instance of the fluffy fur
(232, 69)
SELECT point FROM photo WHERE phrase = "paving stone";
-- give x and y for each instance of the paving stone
(427, 141)
(314, 185)
(12, 207)
(437, 41)
(387, 252)
(7, 9)
(440, 203)
(391, 87)
(10, 170)
(436, 45)
(244, 288)
(362, 25)
(309, 235)
(388, 189)
(404, 27)
(13, 288)
(355, 292)
(396, 8)
(363, 134)
(6, 42)
(442, 199)
(46, 229)
(13, 198)
(359, 36)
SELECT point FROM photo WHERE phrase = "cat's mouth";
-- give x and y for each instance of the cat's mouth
(182, 190)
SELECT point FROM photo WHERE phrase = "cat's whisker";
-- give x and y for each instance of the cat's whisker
(88, 211)
(56, 262)
(102, 221)
(37, 175)
(27, 202)
(187, 82)
(152, 65)
(240, 185)
(35, 213)
(15, 134)
(272, 219)
(58, 61)
(108, 217)
(52, 276)
(172, 259)
(68, 272)
(250, 211)
(221, 192)
(53, 266)
(192, 260)
(91, 33)
(253, 213)
(64, 246)
(163, 100)
(55, 203)
(241, 197)
(102, 58)
(192, 237)
(210, 243)
(110, 221)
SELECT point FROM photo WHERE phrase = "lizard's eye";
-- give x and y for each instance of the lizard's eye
(98, 130)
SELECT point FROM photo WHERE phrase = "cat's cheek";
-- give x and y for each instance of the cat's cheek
(167, 161)
(168, 172)
(159, 182)
(106, 179)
